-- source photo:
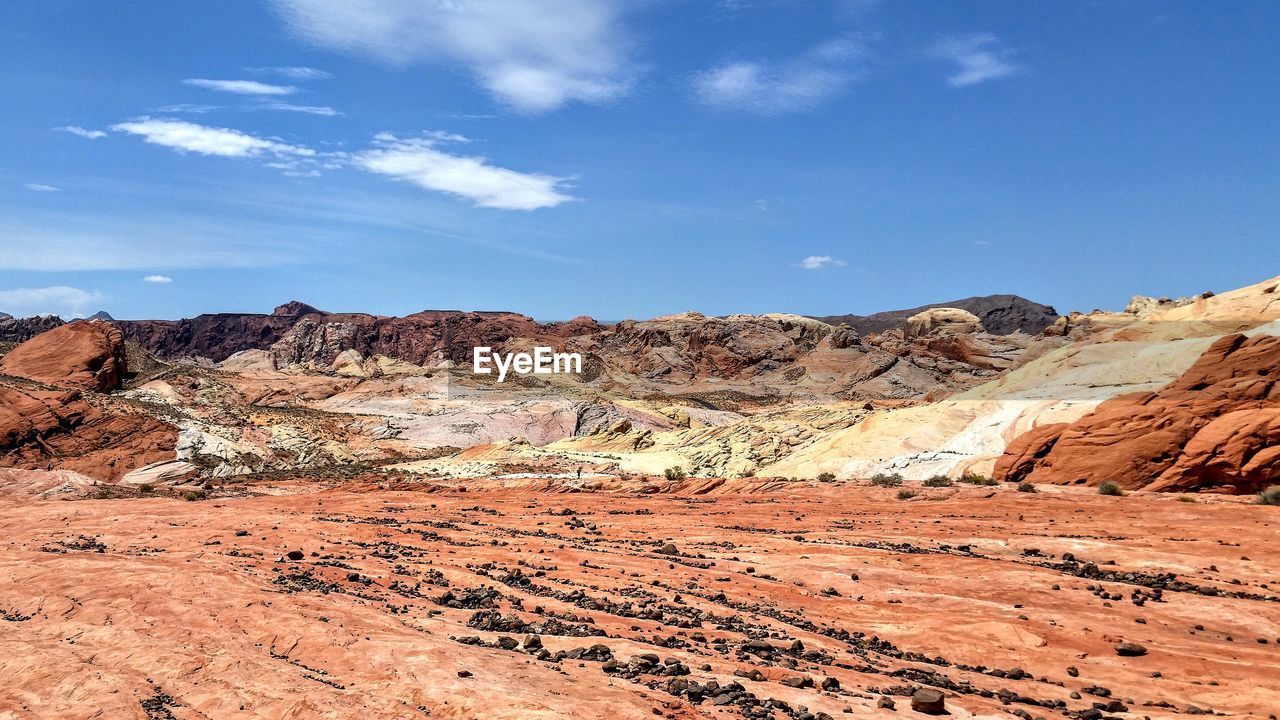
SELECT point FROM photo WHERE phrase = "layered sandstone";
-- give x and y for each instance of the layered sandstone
(1217, 427)
(89, 355)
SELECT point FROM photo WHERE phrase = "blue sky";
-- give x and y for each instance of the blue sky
(632, 158)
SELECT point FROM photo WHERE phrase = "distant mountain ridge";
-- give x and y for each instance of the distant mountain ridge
(1000, 315)
(301, 332)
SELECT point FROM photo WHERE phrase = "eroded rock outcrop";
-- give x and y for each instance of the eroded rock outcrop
(19, 330)
(59, 429)
(89, 355)
(1217, 427)
(943, 322)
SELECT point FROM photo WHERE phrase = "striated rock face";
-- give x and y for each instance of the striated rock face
(999, 314)
(58, 429)
(19, 330)
(691, 345)
(89, 355)
(1217, 427)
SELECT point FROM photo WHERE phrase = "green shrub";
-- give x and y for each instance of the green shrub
(194, 495)
(1109, 488)
(976, 479)
(145, 489)
(674, 473)
(826, 477)
(938, 481)
(886, 480)
(1270, 496)
(905, 494)
(1026, 487)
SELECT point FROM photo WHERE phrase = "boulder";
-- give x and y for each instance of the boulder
(943, 322)
(929, 701)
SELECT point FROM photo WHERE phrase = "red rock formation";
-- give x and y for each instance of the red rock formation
(84, 354)
(1215, 428)
(48, 429)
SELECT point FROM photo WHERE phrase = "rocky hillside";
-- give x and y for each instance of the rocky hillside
(16, 330)
(297, 333)
(999, 314)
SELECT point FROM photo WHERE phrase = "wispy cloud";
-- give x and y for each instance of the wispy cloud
(533, 55)
(292, 72)
(819, 262)
(778, 87)
(38, 187)
(57, 300)
(157, 279)
(241, 87)
(289, 107)
(192, 108)
(191, 137)
(150, 242)
(978, 57)
(420, 162)
(77, 130)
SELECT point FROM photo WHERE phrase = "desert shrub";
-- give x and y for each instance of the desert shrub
(826, 477)
(1186, 498)
(976, 479)
(905, 494)
(1270, 496)
(1026, 487)
(674, 473)
(194, 495)
(145, 488)
(938, 481)
(1109, 488)
(886, 480)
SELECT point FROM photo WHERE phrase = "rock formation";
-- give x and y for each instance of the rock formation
(999, 314)
(86, 354)
(19, 330)
(1217, 427)
(299, 333)
(942, 322)
(56, 427)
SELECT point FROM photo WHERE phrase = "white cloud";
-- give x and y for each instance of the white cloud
(770, 88)
(293, 72)
(37, 187)
(188, 108)
(978, 57)
(418, 161)
(819, 262)
(57, 300)
(309, 109)
(241, 87)
(534, 55)
(185, 136)
(157, 279)
(77, 130)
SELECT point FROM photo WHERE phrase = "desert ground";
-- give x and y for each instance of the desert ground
(746, 598)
